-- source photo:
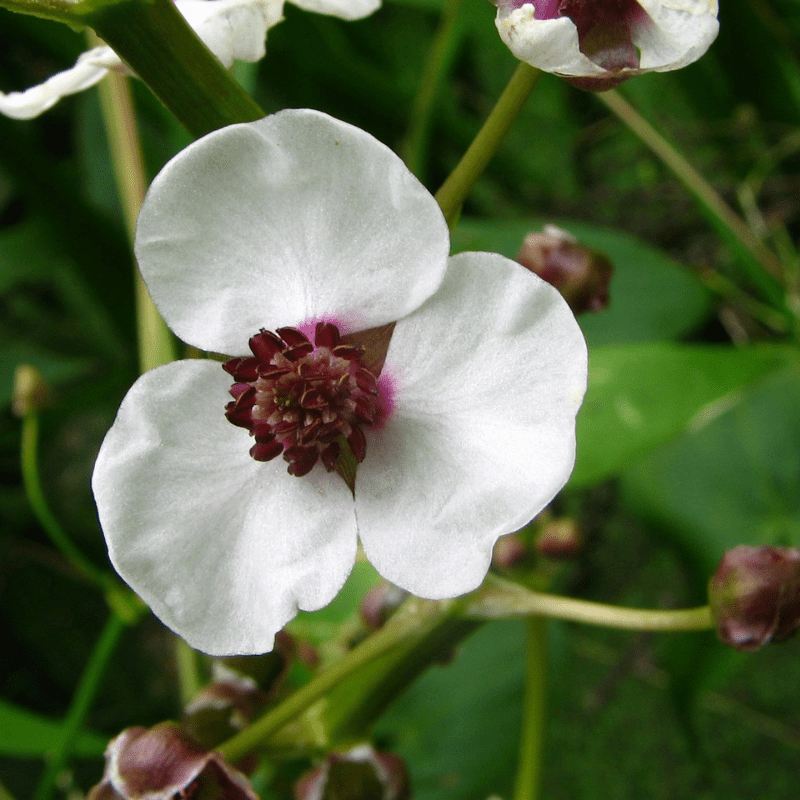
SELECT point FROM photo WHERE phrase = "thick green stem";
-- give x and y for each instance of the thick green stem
(528, 780)
(81, 703)
(156, 42)
(464, 177)
(415, 620)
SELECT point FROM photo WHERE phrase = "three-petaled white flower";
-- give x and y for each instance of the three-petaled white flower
(234, 30)
(307, 226)
(599, 43)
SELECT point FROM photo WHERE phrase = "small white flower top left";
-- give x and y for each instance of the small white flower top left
(234, 30)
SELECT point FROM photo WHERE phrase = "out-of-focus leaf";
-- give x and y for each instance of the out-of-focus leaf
(642, 395)
(458, 726)
(28, 735)
(652, 297)
(734, 480)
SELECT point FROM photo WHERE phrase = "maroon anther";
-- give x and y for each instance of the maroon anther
(298, 398)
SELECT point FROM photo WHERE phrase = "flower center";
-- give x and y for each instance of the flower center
(302, 399)
(604, 28)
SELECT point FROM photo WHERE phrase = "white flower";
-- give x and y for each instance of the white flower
(234, 30)
(600, 43)
(282, 224)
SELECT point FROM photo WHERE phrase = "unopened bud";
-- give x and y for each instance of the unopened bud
(360, 774)
(755, 596)
(508, 552)
(580, 274)
(30, 393)
(161, 763)
(559, 539)
(380, 603)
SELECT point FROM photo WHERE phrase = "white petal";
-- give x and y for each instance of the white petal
(90, 68)
(681, 31)
(224, 549)
(232, 29)
(488, 376)
(345, 9)
(294, 218)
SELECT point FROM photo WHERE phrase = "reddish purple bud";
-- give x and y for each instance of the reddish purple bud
(380, 603)
(580, 274)
(559, 539)
(360, 774)
(755, 595)
(162, 763)
(508, 552)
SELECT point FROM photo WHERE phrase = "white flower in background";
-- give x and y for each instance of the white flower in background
(309, 227)
(599, 43)
(234, 30)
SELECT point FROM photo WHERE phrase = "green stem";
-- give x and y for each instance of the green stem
(157, 43)
(38, 503)
(81, 703)
(60, 10)
(156, 346)
(415, 620)
(760, 262)
(528, 780)
(464, 177)
(188, 675)
(440, 59)
(498, 598)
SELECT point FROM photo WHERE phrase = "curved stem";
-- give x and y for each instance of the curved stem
(35, 493)
(499, 598)
(81, 703)
(528, 780)
(457, 187)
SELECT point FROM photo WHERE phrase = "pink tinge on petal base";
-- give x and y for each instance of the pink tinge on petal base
(301, 398)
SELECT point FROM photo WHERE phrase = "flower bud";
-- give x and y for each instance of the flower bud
(30, 393)
(360, 774)
(509, 551)
(380, 603)
(755, 595)
(162, 763)
(580, 274)
(559, 539)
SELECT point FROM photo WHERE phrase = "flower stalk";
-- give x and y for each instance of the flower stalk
(462, 180)
(157, 43)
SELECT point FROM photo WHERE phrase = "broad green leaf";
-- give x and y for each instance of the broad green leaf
(642, 395)
(735, 480)
(29, 735)
(652, 297)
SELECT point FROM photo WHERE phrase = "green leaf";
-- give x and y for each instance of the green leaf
(735, 480)
(28, 735)
(642, 395)
(652, 297)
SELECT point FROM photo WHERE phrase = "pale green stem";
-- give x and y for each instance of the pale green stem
(767, 267)
(81, 703)
(36, 498)
(528, 779)
(188, 673)
(155, 343)
(417, 618)
(440, 59)
(464, 177)
(498, 598)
